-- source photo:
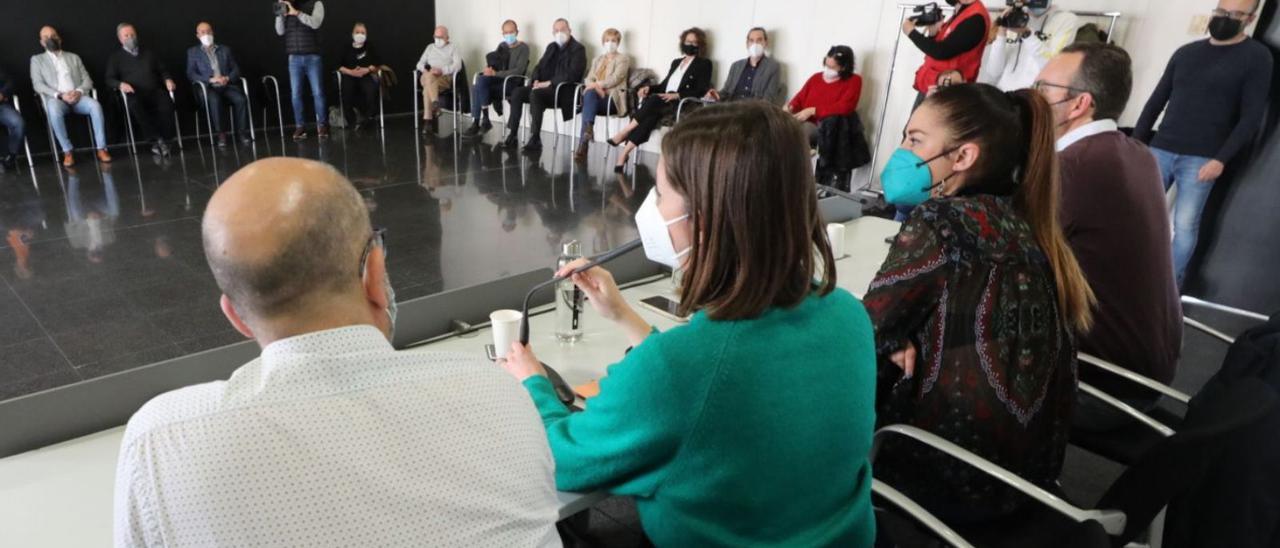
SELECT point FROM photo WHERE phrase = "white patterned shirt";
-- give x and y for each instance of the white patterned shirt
(64, 72)
(335, 439)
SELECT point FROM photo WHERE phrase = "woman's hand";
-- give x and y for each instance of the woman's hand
(905, 359)
(642, 92)
(806, 114)
(602, 291)
(521, 362)
(669, 97)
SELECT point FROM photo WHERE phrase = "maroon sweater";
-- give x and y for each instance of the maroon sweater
(1115, 218)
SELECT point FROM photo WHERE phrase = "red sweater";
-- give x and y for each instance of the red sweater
(839, 98)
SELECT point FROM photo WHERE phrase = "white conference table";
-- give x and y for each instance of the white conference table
(61, 495)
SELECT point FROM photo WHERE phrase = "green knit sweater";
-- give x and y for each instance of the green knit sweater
(734, 433)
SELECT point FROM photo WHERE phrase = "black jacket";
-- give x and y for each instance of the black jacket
(562, 64)
(696, 81)
(842, 144)
(1237, 501)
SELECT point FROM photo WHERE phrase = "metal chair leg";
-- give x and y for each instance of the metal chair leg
(275, 84)
(128, 123)
(248, 109)
(177, 128)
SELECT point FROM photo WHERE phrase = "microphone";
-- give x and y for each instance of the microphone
(592, 262)
(563, 391)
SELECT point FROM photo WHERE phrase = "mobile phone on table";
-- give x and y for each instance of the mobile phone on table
(664, 307)
(491, 352)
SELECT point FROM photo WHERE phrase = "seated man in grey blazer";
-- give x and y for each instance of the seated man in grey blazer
(756, 77)
(65, 87)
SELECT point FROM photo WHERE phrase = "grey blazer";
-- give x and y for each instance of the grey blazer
(44, 75)
(767, 85)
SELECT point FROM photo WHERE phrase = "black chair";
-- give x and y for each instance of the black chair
(209, 114)
(1126, 444)
(382, 116)
(128, 121)
(456, 100)
(1133, 505)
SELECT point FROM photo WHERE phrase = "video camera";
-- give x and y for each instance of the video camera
(279, 9)
(926, 14)
(1018, 18)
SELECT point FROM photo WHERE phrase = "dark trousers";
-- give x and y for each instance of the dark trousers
(647, 117)
(11, 119)
(361, 94)
(219, 99)
(539, 101)
(486, 89)
(153, 111)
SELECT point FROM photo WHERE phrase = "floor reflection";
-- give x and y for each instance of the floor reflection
(105, 269)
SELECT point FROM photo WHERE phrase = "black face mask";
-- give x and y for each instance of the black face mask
(1223, 27)
(952, 3)
(689, 49)
(53, 44)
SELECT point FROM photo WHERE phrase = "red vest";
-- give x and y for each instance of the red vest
(967, 63)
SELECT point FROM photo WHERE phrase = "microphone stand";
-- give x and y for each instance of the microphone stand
(563, 390)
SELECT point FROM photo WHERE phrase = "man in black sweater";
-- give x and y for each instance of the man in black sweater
(11, 119)
(564, 61)
(1213, 95)
(146, 86)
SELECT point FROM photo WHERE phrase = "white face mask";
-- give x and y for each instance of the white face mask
(830, 73)
(359, 38)
(206, 40)
(755, 51)
(611, 47)
(562, 38)
(658, 246)
(439, 42)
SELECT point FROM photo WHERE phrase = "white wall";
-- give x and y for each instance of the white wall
(800, 32)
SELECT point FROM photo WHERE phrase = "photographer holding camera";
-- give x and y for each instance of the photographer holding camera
(952, 45)
(1023, 39)
(298, 21)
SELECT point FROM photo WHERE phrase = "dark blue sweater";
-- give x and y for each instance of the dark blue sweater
(1213, 98)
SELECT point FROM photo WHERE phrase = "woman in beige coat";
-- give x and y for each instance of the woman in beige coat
(606, 88)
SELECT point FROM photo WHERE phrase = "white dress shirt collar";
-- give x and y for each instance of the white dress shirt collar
(1088, 130)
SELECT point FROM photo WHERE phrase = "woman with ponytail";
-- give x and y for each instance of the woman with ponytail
(976, 305)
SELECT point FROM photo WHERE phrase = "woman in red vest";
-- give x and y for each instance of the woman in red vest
(956, 44)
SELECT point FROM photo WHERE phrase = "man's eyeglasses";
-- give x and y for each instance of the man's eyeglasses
(1240, 15)
(375, 239)
(1042, 85)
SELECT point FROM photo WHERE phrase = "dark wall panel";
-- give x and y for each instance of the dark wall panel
(398, 29)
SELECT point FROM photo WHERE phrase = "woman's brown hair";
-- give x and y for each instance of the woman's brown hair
(1015, 132)
(758, 238)
(698, 33)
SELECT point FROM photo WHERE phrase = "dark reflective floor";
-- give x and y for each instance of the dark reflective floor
(102, 270)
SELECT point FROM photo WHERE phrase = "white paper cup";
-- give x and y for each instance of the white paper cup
(506, 330)
(835, 235)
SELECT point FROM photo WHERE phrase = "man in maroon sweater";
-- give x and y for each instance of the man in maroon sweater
(1114, 214)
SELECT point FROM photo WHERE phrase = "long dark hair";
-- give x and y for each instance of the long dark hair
(758, 239)
(1015, 133)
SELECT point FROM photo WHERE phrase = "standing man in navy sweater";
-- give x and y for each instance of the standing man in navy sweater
(1213, 94)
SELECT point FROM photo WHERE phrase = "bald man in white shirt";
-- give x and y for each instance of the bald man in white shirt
(331, 437)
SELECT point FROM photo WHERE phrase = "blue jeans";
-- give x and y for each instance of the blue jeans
(311, 68)
(1184, 171)
(593, 105)
(11, 119)
(482, 93)
(86, 106)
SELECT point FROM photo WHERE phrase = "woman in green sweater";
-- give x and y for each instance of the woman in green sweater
(750, 425)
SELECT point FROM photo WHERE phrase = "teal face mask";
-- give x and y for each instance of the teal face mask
(906, 178)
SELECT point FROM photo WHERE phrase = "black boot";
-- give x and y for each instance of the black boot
(513, 139)
(533, 146)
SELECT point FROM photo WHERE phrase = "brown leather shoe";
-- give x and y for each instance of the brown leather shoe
(300, 133)
(322, 131)
(103, 156)
(68, 160)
